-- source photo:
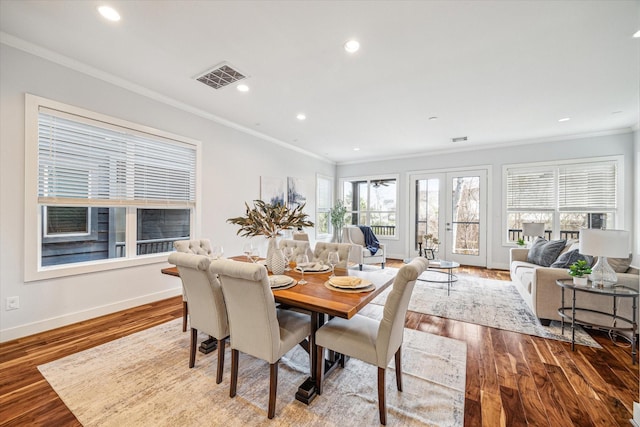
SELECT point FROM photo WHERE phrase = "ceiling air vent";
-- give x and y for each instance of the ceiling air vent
(221, 76)
(459, 139)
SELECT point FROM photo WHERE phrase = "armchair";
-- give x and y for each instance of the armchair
(359, 252)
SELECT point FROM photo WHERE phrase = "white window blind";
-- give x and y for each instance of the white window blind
(83, 161)
(587, 187)
(531, 190)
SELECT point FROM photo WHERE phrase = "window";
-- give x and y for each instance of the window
(105, 190)
(565, 196)
(372, 202)
(324, 198)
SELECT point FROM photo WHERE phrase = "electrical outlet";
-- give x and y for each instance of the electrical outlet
(13, 303)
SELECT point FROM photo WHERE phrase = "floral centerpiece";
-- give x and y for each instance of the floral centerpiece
(270, 220)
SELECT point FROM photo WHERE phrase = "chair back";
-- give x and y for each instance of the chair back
(299, 247)
(207, 310)
(322, 249)
(353, 234)
(391, 328)
(253, 322)
(197, 246)
(303, 237)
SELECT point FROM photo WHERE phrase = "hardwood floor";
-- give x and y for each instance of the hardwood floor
(512, 379)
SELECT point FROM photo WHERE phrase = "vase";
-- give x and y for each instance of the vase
(274, 255)
(337, 235)
(580, 281)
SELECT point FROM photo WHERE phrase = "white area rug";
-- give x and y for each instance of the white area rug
(487, 302)
(144, 380)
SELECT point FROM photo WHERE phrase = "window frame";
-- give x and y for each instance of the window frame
(324, 210)
(556, 212)
(368, 179)
(92, 221)
(34, 217)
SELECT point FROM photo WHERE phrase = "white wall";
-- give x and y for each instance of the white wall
(495, 158)
(232, 162)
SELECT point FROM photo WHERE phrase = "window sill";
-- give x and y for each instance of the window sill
(33, 275)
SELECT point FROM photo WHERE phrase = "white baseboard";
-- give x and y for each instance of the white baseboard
(636, 415)
(70, 318)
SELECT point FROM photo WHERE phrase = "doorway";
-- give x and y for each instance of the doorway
(452, 208)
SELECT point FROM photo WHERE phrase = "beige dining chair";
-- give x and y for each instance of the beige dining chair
(373, 341)
(300, 236)
(257, 327)
(299, 247)
(207, 309)
(197, 247)
(322, 249)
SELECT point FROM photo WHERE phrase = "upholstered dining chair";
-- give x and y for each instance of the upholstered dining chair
(197, 247)
(373, 341)
(257, 327)
(207, 308)
(322, 249)
(300, 236)
(360, 254)
(299, 247)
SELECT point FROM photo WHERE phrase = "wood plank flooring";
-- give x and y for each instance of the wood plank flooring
(512, 379)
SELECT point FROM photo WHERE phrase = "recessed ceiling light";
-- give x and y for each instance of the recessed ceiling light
(301, 116)
(352, 46)
(356, 149)
(109, 13)
(637, 34)
(565, 119)
(243, 88)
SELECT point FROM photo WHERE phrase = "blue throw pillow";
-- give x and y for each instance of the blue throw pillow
(566, 259)
(544, 252)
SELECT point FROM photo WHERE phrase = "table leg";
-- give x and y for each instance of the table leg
(573, 321)
(307, 390)
(634, 326)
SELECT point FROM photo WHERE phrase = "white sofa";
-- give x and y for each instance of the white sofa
(538, 287)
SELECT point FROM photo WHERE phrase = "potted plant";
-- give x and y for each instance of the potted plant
(579, 270)
(337, 220)
(270, 220)
(521, 243)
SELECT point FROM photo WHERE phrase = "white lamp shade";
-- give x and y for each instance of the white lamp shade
(606, 243)
(533, 229)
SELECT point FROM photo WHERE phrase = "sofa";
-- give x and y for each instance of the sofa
(537, 285)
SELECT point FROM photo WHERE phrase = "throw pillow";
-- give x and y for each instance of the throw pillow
(544, 252)
(620, 265)
(566, 259)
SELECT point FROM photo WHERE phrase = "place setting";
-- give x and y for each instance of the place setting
(349, 284)
(280, 282)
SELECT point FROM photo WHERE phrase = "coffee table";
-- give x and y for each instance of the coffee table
(444, 267)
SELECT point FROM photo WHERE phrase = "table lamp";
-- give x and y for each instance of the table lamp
(603, 244)
(532, 229)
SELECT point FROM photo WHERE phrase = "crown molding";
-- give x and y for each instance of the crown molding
(25, 46)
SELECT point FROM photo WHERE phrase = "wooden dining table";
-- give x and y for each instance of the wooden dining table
(321, 301)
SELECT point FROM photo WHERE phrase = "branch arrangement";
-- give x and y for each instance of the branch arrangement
(269, 220)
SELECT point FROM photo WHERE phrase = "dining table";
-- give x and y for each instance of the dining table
(321, 300)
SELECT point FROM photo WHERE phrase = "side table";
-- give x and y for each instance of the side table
(615, 292)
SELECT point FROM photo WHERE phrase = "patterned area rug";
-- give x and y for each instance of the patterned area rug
(144, 380)
(487, 302)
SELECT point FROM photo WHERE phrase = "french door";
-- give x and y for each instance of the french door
(452, 207)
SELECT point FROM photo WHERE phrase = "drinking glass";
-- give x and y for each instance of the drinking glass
(333, 259)
(248, 250)
(288, 255)
(216, 252)
(302, 262)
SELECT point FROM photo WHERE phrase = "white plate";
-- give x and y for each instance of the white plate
(279, 280)
(363, 284)
(368, 288)
(324, 269)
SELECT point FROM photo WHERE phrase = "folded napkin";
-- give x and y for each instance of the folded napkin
(313, 266)
(345, 281)
(279, 280)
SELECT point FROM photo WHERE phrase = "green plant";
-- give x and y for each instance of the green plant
(269, 220)
(337, 215)
(521, 242)
(579, 268)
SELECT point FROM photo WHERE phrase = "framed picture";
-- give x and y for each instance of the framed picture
(272, 190)
(295, 192)
(428, 254)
